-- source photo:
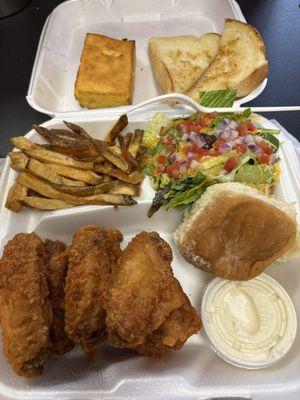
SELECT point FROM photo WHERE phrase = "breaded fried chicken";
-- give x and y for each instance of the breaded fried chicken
(147, 309)
(92, 261)
(25, 309)
(57, 266)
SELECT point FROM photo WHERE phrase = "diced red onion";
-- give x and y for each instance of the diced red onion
(258, 139)
(259, 152)
(253, 147)
(237, 141)
(248, 139)
(224, 148)
(234, 134)
(185, 136)
(190, 154)
(233, 125)
(272, 158)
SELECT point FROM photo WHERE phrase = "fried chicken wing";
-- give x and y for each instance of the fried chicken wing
(57, 265)
(92, 261)
(25, 310)
(147, 309)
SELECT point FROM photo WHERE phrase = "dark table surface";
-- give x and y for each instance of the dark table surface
(278, 21)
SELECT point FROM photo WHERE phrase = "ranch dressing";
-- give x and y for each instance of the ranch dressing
(250, 324)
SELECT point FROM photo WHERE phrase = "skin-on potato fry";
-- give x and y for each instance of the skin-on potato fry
(113, 157)
(15, 196)
(89, 190)
(45, 204)
(125, 150)
(134, 177)
(89, 177)
(48, 173)
(67, 142)
(116, 129)
(39, 153)
(135, 142)
(43, 188)
(18, 160)
(125, 188)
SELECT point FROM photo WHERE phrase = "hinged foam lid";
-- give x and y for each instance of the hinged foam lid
(51, 88)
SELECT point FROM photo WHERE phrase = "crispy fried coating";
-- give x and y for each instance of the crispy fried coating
(147, 309)
(56, 257)
(25, 309)
(92, 261)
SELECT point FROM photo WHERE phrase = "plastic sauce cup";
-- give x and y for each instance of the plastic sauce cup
(250, 324)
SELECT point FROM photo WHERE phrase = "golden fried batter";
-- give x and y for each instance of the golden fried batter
(25, 309)
(146, 308)
(57, 266)
(92, 260)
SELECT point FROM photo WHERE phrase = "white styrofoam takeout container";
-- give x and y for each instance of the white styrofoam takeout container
(194, 372)
(51, 88)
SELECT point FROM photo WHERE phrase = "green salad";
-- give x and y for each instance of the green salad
(185, 156)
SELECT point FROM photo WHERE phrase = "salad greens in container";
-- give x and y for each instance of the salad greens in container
(185, 156)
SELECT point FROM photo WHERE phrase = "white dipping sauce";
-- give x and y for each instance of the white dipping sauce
(251, 324)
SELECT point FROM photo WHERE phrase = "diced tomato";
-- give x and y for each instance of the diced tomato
(264, 159)
(205, 120)
(251, 127)
(160, 170)
(218, 143)
(199, 150)
(241, 148)
(176, 165)
(169, 170)
(186, 149)
(213, 115)
(243, 128)
(175, 174)
(267, 149)
(231, 163)
(196, 128)
(171, 147)
(161, 159)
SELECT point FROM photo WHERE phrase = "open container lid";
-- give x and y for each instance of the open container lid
(51, 88)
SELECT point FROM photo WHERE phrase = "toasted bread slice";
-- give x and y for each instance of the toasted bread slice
(240, 63)
(106, 74)
(178, 61)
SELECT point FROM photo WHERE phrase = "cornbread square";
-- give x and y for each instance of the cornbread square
(105, 77)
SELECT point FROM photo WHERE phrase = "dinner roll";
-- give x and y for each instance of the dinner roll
(235, 232)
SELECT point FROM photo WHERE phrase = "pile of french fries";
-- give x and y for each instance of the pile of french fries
(75, 169)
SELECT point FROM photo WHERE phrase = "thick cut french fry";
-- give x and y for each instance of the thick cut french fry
(89, 177)
(89, 190)
(135, 142)
(116, 149)
(45, 204)
(39, 153)
(48, 173)
(125, 151)
(45, 189)
(116, 129)
(114, 157)
(125, 188)
(16, 194)
(18, 160)
(134, 177)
